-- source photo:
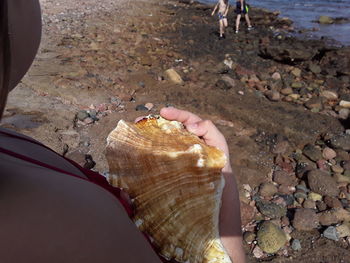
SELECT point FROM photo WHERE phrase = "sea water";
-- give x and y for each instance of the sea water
(305, 13)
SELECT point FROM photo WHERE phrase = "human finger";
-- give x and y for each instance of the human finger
(173, 114)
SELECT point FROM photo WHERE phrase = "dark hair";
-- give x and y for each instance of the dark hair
(4, 56)
(226, 2)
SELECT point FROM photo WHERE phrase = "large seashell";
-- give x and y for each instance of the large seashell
(175, 183)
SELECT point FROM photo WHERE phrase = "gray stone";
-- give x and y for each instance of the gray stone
(322, 183)
(312, 152)
(341, 141)
(296, 244)
(82, 115)
(315, 68)
(331, 233)
(141, 107)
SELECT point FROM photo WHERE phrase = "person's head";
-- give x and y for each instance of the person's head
(20, 33)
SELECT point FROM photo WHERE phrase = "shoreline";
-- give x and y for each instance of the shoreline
(263, 89)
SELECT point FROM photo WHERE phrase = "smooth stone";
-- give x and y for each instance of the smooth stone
(330, 95)
(314, 103)
(312, 152)
(314, 68)
(296, 244)
(344, 114)
(305, 219)
(271, 238)
(82, 115)
(333, 202)
(287, 91)
(325, 20)
(327, 218)
(322, 183)
(341, 178)
(343, 230)
(296, 72)
(267, 189)
(308, 203)
(328, 153)
(315, 196)
(321, 206)
(331, 233)
(89, 120)
(341, 141)
(141, 107)
(247, 213)
(280, 147)
(271, 210)
(149, 105)
(249, 237)
(276, 76)
(294, 96)
(297, 85)
(300, 195)
(273, 95)
(345, 104)
(174, 76)
(283, 178)
(337, 169)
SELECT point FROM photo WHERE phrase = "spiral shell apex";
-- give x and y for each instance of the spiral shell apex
(175, 183)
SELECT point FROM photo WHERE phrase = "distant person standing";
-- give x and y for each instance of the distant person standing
(222, 7)
(242, 8)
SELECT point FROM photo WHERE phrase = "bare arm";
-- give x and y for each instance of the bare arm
(227, 8)
(230, 219)
(216, 6)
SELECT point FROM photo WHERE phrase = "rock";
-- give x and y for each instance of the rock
(321, 206)
(300, 195)
(249, 237)
(305, 219)
(271, 238)
(322, 183)
(267, 189)
(333, 202)
(325, 20)
(230, 82)
(296, 246)
(287, 91)
(308, 203)
(314, 103)
(315, 196)
(328, 153)
(314, 68)
(329, 95)
(276, 76)
(341, 214)
(346, 165)
(89, 120)
(327, 218)
(296, 72)
(174, 76)
(257, 252)
(331, 233)
(247, 213)
(149, 105)
(221, 84)
(297, 85)
(294, 96)
(343, 230)
(280, 147)
(341, 141)
(271, 210)
(141, 107)
(312, 152)
(283, 178)
(82, 115)
(337, 169)
(344, 114)
(344, 104)
(273, 95)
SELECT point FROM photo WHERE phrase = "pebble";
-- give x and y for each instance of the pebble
(345, 104)
(333, 202)
(314, 68)
(305, 219)
(283, 178)
(273, 95)
(149, 105)
(174, 76)
(343, 230)
(300, 195)
(249, 237)
(287, 91)
(271, 210)
(271, 238)
(337, 169)
(312, 152)
(330, 95)
(328, 153)
(141, 107)
(315, 196)
(322, 183)
(280, 147)
(296, 245)
(321, 206)
(257, 252)
(314, 103)
(267, 189)
(247, 213)
(327, 218)
(89, 120)
(294, 96)
(276, 76)
(296, 72)
(344, 113)
(341, 141)
(331, 233)
(297, 85)
(308, 203)
(82, 115)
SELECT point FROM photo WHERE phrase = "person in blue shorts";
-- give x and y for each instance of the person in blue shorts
(222, 7)
(242, 8)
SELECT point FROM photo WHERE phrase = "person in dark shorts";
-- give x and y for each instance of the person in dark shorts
(242, 9)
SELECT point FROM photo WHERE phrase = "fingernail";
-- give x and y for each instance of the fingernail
(192, 127)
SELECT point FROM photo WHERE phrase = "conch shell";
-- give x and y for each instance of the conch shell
(175, 183)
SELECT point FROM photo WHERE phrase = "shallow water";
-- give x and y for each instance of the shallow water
(303, 13)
